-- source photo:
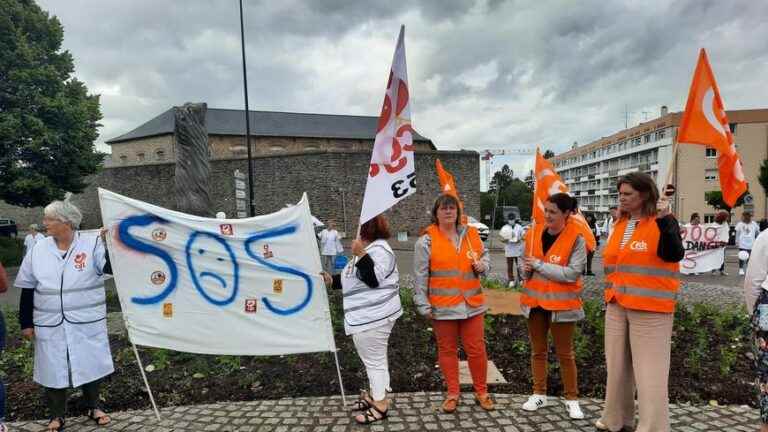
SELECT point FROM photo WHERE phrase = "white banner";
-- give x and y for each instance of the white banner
(392, 173)
(218, 286)
(704, 251)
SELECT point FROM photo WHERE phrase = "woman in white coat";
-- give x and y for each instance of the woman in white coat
(371, 291)
(63, 308)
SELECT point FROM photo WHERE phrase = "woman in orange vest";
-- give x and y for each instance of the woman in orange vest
(641, 274)
(448, 261)
(551, 300)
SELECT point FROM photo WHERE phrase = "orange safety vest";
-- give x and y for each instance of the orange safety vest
(545, 293)
(635, 276)
(452, 281)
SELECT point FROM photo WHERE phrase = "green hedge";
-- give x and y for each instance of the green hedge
(11, 251)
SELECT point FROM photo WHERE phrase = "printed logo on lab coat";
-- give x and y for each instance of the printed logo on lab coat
(80, 261)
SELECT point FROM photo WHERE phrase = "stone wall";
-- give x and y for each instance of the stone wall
(333, 180)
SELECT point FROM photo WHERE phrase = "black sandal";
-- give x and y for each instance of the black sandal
(362, 403)
(369, 416)
(61, 424)
(97, 419)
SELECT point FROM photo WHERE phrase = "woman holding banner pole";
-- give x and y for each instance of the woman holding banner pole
(551, 298)
(641, 275)
(371, 291)
(63, 308)
(448, 261)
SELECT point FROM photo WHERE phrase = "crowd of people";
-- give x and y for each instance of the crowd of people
(62, 307)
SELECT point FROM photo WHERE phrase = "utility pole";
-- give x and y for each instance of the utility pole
(251, 203)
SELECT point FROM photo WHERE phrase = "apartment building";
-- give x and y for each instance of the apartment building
(591, 171)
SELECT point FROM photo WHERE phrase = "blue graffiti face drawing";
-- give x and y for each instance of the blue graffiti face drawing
(210, 284)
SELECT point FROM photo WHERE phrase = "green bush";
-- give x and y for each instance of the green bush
(11, 251)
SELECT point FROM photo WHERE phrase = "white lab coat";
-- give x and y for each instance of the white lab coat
(30, 240)
(71, 342)
(515, 248)
(365, 307)
(330, 241)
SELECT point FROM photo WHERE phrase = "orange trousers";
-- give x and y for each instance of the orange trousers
(472, 334)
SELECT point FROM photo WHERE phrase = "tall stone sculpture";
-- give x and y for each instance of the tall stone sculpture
(192, 160)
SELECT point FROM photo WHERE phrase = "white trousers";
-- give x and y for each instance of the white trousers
(371, 347)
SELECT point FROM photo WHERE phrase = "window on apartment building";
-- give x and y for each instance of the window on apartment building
(140, 156)
(732, 126)
(661, 134)
(709, 218)
(622, 146)
(160, 155)
(710, 174)
(647, 138)
(710, 153)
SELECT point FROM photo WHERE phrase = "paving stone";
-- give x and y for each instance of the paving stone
(409, 412)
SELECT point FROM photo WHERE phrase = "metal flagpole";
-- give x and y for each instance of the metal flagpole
(338, 371)
(251, 203)
(146, 383)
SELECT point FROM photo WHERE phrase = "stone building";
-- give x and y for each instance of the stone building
(326, 156)
(591, 171)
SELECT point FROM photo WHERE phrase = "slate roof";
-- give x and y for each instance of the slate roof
(269, 124)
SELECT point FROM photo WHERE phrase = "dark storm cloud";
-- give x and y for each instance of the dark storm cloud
(484, 74)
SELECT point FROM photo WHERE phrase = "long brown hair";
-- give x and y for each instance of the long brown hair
(444, 200)
(375, 229)
(644, 184)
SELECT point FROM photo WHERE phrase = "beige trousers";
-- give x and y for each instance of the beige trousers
(637, 351)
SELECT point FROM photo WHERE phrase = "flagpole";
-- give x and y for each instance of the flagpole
(146, 383)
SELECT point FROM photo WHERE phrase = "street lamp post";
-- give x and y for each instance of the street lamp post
(251, 204)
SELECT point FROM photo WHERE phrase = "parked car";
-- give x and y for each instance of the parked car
(8, 228)
(482, 228)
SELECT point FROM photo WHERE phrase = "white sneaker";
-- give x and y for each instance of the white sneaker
(512, 284)
(741, 272)
(535, 402)
(574, 410)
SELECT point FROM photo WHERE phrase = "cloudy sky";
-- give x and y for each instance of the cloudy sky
(486, 74)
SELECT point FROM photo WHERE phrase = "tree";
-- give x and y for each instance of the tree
(48, 120)
(548, 154)
(513, 191)
(763, 177)
(715, 199)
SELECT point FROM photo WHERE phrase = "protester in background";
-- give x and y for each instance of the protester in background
(33, 237)
(330, 243)
(513, 249)
(746, 233)
(448, 261)
(723, 235)
(590, 218)
(63, 308)
(695, 220)
(371, 292)
(613, 216)
(641, 275)
(3, 288)
(756, 296)
(551, 298)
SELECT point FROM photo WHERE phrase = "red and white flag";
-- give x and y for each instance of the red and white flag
(392, 173)
(705, 122)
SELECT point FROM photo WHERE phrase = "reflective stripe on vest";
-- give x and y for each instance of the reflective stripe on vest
(48, 292)
(635, 276)
(452, 281)
(70, 309)
(382, 300)
(541, 292)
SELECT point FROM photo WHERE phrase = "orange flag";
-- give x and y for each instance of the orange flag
(548, 182)
(705, 122)
(448, 186)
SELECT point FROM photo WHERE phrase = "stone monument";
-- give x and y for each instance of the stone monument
(192, 176)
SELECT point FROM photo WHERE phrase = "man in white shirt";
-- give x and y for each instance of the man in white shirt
(513, 250)
(330, 245)
(33, 237)
(610, 221)
(746, 232)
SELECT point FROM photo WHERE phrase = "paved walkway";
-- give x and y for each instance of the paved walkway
(410, 412)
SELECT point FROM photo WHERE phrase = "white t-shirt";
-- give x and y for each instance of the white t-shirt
(746, 234)
(328, 241)
(515, 249)
(30, 240)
